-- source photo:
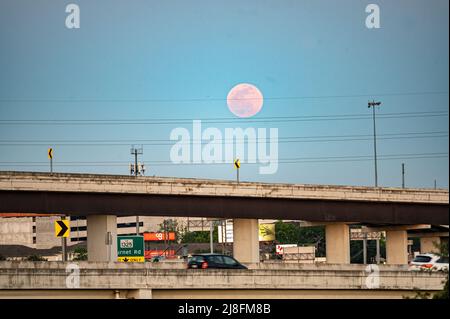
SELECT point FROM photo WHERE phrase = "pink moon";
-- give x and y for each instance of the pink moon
(245, 100)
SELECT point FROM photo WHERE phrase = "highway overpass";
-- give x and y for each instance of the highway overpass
(119, 280)
(84, 194)
(103, 197)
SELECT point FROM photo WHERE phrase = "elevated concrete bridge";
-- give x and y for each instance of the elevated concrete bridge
(83, 194)
(118, 280)
(103, 197)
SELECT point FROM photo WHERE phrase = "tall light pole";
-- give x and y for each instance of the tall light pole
(136, 151)
(403, 175)
(373, 105)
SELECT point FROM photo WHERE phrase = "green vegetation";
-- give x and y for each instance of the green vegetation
(35, 258)
(199, 236)
(80, 253)
(292, 233)
(444, 293)
(443, 251)
(442, 248)
(184, 236)
(170, 225)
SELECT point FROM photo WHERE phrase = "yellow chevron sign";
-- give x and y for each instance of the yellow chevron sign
(237, 164)
(62, 228)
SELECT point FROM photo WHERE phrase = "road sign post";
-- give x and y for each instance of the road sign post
(130, 249)
(108, 242)
(50, 157)
(237, 166)
(62, 229)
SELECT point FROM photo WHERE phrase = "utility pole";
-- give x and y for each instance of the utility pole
(365, 249)
(137, 170)
(373, 105)
(64, 244)
(403, 175)
(211, 236)
(223, 221)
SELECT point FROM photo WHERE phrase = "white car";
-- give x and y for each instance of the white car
(429, 262)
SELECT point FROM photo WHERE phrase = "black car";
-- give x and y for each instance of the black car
(216, 261)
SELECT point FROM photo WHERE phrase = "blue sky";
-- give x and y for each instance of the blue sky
(172, 59)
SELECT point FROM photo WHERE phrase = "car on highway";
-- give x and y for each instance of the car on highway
(213, 261)
(431, 262)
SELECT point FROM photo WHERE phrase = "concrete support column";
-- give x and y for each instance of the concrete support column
(246, 240)
(428, 244)
(98, 228)
(397, 247)
(337, 238)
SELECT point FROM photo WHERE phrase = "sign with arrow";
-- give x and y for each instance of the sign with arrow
(62, 228)
(237, 164)
(50, 153)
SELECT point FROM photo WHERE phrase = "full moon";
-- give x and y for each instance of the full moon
(245, 100)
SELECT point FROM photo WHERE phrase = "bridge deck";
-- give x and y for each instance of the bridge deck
(81, 194)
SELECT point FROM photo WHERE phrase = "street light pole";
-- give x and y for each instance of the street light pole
(403, 175)
(136, 151)
(372, 105)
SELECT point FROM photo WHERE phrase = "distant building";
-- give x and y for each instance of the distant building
(37, 231)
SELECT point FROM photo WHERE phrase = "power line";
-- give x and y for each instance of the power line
(210, 99)
(217, 118)
(193, 140)
(15, 143)
(336, 117)
(285, 160)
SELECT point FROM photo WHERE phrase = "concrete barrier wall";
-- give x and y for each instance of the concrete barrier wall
(53, 275)
(23, 181)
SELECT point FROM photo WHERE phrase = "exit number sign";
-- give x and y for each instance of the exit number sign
(130, 249)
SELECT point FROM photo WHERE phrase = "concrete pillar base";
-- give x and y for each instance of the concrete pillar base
(246, 240)
(430, 245)
(98, 227)
(397, 247)
(337, 238)
(140, 294)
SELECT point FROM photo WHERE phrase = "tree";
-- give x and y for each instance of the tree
(292, 233)
(80, 253)
(443, 251)
(286, 233)
(199, 236)
(442, 248)
(314, 236)
(170, 225)
(444, 293)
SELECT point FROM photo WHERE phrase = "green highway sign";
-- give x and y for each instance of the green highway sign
(130, 249)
